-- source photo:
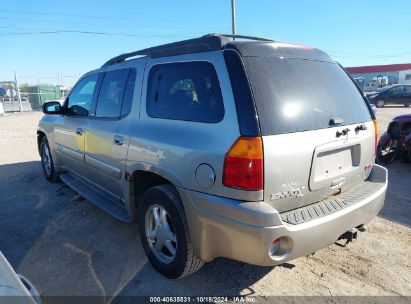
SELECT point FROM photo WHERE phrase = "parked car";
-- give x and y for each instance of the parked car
(397, 94)
(220, 148)
(395, 143)
(15, 288)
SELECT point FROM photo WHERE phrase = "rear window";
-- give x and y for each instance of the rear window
(294, 95)
(185, 91)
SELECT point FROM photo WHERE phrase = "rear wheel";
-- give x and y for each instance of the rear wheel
(47, 163)
(164, 233)
(388, 152)
(380, 103)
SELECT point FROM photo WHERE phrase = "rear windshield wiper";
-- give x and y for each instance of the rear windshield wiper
(334, 121)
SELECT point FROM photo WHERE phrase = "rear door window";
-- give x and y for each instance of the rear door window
(116, 94)
(294, 95)
(187, 91)
(398, 89)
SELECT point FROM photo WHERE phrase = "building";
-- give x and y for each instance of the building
(371, 77)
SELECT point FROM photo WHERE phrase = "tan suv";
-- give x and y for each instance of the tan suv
(254, 150)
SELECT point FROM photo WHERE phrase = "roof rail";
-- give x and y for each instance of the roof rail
(244, 37)
(209, 42)
(196, 45)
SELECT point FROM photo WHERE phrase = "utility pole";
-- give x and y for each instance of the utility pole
(233, 16)
(16, 83)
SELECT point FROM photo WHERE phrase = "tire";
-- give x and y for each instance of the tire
(154, 234)
(391, 154)
(380, 103)
(47, 163)
(407, 105)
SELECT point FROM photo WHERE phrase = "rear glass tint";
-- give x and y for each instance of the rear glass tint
(294, 95)
(187, 91)
(111, 94)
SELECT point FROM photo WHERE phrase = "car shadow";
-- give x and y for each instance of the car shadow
(68, 247)
(397, 207)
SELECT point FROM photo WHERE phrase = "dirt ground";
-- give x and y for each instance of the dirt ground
(67, 246)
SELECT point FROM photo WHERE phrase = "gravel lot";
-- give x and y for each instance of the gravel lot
(67, 246)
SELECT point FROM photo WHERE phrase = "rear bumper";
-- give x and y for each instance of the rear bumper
(244, 231)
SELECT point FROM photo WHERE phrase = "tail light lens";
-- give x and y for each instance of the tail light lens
(243, 164)
(375, 135)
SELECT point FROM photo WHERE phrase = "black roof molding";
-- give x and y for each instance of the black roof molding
(252, 46)
(196, 45)
(209, 42)
(245, 37)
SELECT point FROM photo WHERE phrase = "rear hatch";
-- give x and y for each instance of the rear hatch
(318, 134)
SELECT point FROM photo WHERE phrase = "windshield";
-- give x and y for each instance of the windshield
(294, 95)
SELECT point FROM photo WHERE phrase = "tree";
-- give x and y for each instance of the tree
(24, 87)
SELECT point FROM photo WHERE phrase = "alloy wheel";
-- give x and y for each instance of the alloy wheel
(160, 234)
(46, 160)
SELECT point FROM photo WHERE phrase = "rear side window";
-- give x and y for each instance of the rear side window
(294, 95)
(398, 89)
(116, 94)
(185, 91)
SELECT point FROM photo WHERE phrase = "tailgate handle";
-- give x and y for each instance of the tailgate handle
(342, 132)
(361, 127)
(338, 182)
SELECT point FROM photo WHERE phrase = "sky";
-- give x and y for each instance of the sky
(50, 41)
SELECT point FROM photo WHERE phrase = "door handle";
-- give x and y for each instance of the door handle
(79, 131)
(342, 132)
(118, 140)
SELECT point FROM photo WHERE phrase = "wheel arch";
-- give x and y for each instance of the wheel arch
(40, 135)
(141, 180)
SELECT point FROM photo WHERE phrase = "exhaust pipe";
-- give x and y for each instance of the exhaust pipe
(361, 228)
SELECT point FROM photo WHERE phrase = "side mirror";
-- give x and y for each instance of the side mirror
(52, 107)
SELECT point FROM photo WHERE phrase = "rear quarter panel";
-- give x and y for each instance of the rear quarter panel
(175, 148)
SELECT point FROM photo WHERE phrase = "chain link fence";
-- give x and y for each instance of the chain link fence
(21, 95)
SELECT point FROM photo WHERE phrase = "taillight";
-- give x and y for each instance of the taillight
(375, 135)
(243, 164)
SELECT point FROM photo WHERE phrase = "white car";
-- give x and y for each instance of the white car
(16, 286)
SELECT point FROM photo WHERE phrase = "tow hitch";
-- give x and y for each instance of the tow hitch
(350, 235)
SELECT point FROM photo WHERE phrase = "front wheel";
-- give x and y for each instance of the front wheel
(47, 163)
(164, 233)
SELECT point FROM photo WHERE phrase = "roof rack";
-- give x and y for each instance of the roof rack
(244, 37)
(209, 42)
